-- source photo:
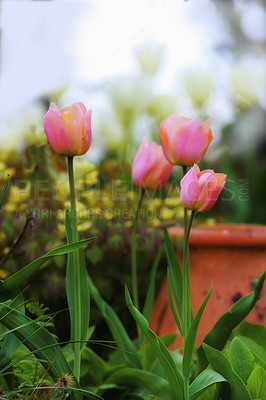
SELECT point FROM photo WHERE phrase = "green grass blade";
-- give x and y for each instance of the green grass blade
(11, 342)
(37, 339)
(175, 270)
(4, 194)
(222, 365)
(148, 306)
(191, 338)
(223, 328)
(20, 276)
(117, 329)
(172, 303)
(173, 374)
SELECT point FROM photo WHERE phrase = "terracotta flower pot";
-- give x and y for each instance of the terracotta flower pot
(231, 256)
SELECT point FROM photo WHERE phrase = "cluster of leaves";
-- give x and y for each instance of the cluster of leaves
(39, 187)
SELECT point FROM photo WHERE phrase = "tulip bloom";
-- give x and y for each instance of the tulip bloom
(184, 140)
(150, 168)
(68, 131)
(200, 189)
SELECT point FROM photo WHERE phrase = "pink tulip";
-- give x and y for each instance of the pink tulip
(200, 189)
(150, 168)
(68, 131)
(184, 140)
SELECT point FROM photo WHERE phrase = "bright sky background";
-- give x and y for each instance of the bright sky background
(48, 44)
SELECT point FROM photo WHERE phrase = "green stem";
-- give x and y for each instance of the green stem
(77, 327)
(185, 168)
(186, 300)
(134, 275)
(186, 389)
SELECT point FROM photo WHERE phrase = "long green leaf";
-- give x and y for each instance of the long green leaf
(141, 379)
(117, 329)
(148, 306)
(173, 374)
(20, 276)
(84, 289)
(37, 339)
(222, 365)
(4, 194)
(172, 303)
(191, 338)
(175, 270)
(207, 378)
(11, 342)
(223, 328)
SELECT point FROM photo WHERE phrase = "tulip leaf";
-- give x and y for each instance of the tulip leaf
(222, 365)
(4, 194)
(84, 289)
(150, 354)
(148, 305)
(20, 276)
(172, 304)
(223, 328)
(116, 327)
(191, 338)
(167, 361)
(205, 379)
(132, 377)
(175, 270)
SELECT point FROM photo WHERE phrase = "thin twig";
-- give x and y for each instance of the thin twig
(30, 217)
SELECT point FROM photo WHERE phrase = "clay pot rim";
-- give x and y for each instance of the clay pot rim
(229, 235)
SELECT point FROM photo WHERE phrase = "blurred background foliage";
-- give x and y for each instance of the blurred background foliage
(130, 107)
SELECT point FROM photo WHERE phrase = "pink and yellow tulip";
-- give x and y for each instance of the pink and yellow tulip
(184, 141)
(150, 168)
(68, 131)
(200, 189)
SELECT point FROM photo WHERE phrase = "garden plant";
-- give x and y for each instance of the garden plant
(229, 364)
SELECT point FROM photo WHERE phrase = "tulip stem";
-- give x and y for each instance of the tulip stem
(185, 210)
(134, 274)
(75, 238)
(186, 300)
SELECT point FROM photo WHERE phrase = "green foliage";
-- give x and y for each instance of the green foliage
(84, 292)
(5, 192)
(241, 359)
(37, 309)
(173, 374)
(20, 276)
(223, 328)
(257, 383)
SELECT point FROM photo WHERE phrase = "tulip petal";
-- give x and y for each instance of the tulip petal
(212, 197)
(54, 129)
(150, 168)
(207, 183)
(143, 161)
(190, 188)
(167, 132)
(190, 143)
